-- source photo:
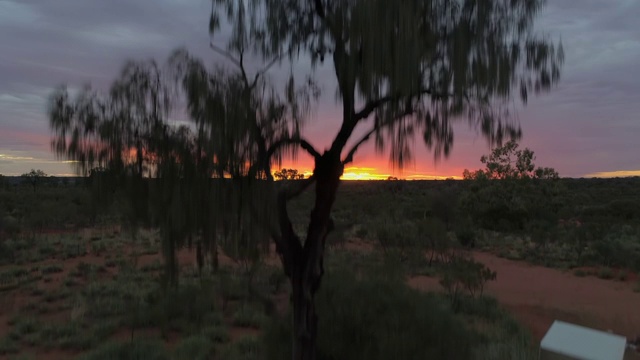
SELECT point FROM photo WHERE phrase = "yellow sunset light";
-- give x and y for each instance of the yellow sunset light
(611, 174)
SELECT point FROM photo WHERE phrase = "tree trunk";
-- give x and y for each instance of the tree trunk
(309, 268)
(305, 320)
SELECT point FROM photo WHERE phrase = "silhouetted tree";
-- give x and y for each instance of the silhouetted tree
(34, 177)
(288, 174)
(507, 162)
(401, 68)
(511, 192)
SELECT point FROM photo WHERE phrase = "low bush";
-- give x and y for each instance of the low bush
(216, 333)
(135, 350)
(580, 273)
(194, 348)
(605, 273)
(247, 348)
(8, 346)
(248, 316)
(376, 319)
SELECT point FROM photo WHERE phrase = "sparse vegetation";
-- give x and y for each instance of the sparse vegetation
(164, 249)
(107, 293)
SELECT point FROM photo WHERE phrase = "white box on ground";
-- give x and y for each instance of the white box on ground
(565, 341)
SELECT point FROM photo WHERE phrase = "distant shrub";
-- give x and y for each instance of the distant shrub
(376, 319)
(580, 273)
(605, 273)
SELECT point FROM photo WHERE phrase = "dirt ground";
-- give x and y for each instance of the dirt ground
(536, 296)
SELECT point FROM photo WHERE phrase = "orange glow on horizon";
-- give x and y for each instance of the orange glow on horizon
(373, 173)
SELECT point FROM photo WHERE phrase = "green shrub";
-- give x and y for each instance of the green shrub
(466, 235)
(247, 348)
(51, 269)
(248, 316)
(362, 232)
(516, 349)
(11, 225)
(465, 275)
(216, 333)
(605, 273)
(8, 346)
(194, 348)
(46, 249)
(580, 273)
(136, 350)
(67, 335)
(622, 275)
(376, 319)
(23, 357)
(24, 326)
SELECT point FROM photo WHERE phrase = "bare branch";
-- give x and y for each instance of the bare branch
(353, 150)
(304, 144)
(372, 105)
(226, 54)
(244, 73)
(376, 128)
(265, 69)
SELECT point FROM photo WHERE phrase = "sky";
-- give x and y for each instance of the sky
(587, 126)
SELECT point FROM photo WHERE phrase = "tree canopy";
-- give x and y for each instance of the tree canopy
(520, 193)
(414, 64)
(288, 174)
(34, 177)
(507, 162)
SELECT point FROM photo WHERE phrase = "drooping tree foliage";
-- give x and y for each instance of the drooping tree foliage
(193, 180)
(402, 68)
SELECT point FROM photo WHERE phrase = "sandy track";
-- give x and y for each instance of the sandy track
(536, 296)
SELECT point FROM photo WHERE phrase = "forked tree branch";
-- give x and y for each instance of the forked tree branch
(304, 144)
(225, 53)
(372, 105)
(376, 128)
(265, 69)
(288, 244)
(239, 62)
(349, 157)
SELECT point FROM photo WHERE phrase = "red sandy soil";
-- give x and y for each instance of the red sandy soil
(536, 296)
